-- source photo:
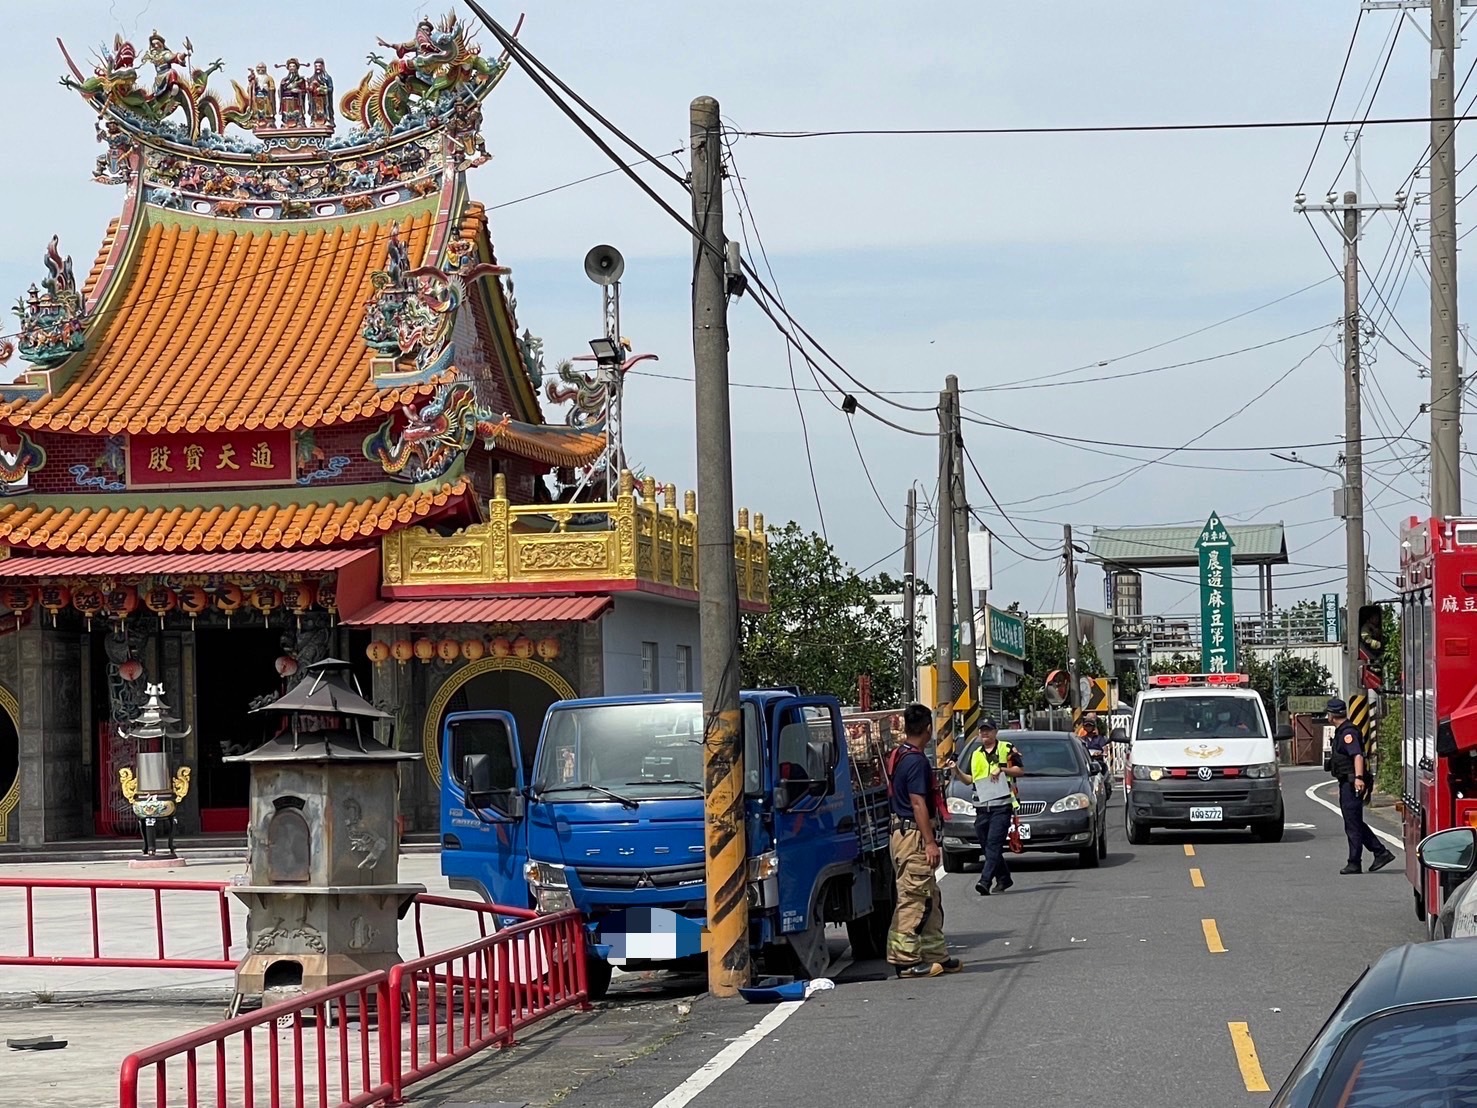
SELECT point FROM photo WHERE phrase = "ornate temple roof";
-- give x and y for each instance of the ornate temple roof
(274, 274)
(273, 310)
(58, 524)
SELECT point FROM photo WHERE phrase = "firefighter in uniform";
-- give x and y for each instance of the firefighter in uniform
(915, 940)
(1355, 785)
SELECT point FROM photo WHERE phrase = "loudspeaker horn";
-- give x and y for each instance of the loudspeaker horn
(604, 265)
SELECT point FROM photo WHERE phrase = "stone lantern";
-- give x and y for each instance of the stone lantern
(147, 785)
(322, 885)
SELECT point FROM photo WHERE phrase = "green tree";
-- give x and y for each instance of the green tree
(823, 629)
(1046, 650)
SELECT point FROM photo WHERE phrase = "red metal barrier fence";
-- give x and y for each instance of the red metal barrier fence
(69, 909)
(319, 1050)
(66, 899)
(358, 1043)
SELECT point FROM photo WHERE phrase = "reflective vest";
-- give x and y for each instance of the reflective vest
(981, 764)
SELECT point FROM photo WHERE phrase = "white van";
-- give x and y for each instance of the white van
(1202, 754)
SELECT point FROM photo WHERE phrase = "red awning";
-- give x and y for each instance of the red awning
(126, 565)
(486, 609)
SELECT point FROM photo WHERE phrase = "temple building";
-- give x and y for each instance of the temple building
(287, 413)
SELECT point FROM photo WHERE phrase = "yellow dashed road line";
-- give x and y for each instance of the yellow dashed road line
(1189, 851)
(1251, 1066)
(1196, 878)
(1212, 936)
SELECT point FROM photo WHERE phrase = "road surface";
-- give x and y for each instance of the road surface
(1193, 970)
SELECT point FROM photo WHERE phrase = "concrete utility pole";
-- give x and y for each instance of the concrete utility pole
(964, 586)
(1348, 218)
(723, 748)
(943, 587)
(1446, 381)
(1074, 633)
(910, 599)
(1355, 574)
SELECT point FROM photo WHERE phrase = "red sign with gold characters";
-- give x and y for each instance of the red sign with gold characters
(211, 458)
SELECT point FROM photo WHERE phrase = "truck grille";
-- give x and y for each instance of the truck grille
(660, 877)
(1206, 796)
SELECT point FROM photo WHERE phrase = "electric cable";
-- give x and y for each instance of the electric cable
(1333, 101)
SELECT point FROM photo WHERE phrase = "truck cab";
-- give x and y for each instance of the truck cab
(608, 817)
(1202, 754)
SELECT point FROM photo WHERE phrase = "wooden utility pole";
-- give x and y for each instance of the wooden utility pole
(943, 594)
(964, 586)
(1074, 633)
(723, 748)
(910, 599)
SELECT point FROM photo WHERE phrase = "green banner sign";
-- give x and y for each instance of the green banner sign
(1006, 633)
(1217, 611)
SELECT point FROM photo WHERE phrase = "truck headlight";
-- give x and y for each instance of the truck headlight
(549, 901)
(1263, 769)
(1150, 773)
(764, 866)
(958, 806)
(546, 875)
(1072, 802)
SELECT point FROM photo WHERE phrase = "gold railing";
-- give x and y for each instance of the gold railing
(641, 535)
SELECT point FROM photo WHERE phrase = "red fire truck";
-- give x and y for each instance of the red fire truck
(1438, 664)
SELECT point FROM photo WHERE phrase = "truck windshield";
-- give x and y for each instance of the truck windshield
(641, 751)
(1199, 717)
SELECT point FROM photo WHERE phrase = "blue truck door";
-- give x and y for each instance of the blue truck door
(815, 822)
(484, 848)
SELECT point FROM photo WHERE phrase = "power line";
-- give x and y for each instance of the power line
(1333, 101)
(1039, 383)
(1093, 129)
(1117, 479)
(580, 181)
(1006, 516)
(851, 426)
(1390, 53)
(741, 195)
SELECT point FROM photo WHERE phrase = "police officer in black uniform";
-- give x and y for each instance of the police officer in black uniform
(1352, 773)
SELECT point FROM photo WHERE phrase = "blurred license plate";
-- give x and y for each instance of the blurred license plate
(1025, 831)
(1205, 815)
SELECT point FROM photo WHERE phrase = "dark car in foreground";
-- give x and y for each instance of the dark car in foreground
(1404, 1034)
(1064, 804)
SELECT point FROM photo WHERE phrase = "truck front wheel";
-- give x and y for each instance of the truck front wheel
(597, 975)
(868, 933)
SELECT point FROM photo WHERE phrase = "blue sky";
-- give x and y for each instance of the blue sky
(996, 258)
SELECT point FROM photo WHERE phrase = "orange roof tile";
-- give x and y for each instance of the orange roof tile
(89, 286)
(217, 527)
(552, 444)
(226, 324)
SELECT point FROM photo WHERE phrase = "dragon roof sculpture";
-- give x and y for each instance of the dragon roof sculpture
(159, 100)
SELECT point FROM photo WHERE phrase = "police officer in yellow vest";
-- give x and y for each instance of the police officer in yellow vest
(992, 771)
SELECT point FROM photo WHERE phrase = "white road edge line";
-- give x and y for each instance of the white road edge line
(724, 1060)
(1312, 794)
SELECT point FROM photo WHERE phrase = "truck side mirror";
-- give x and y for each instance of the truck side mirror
(1284, 732)
(1451, 851)
(1118, 735)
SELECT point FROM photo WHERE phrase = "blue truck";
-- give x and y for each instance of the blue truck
(605, 813)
